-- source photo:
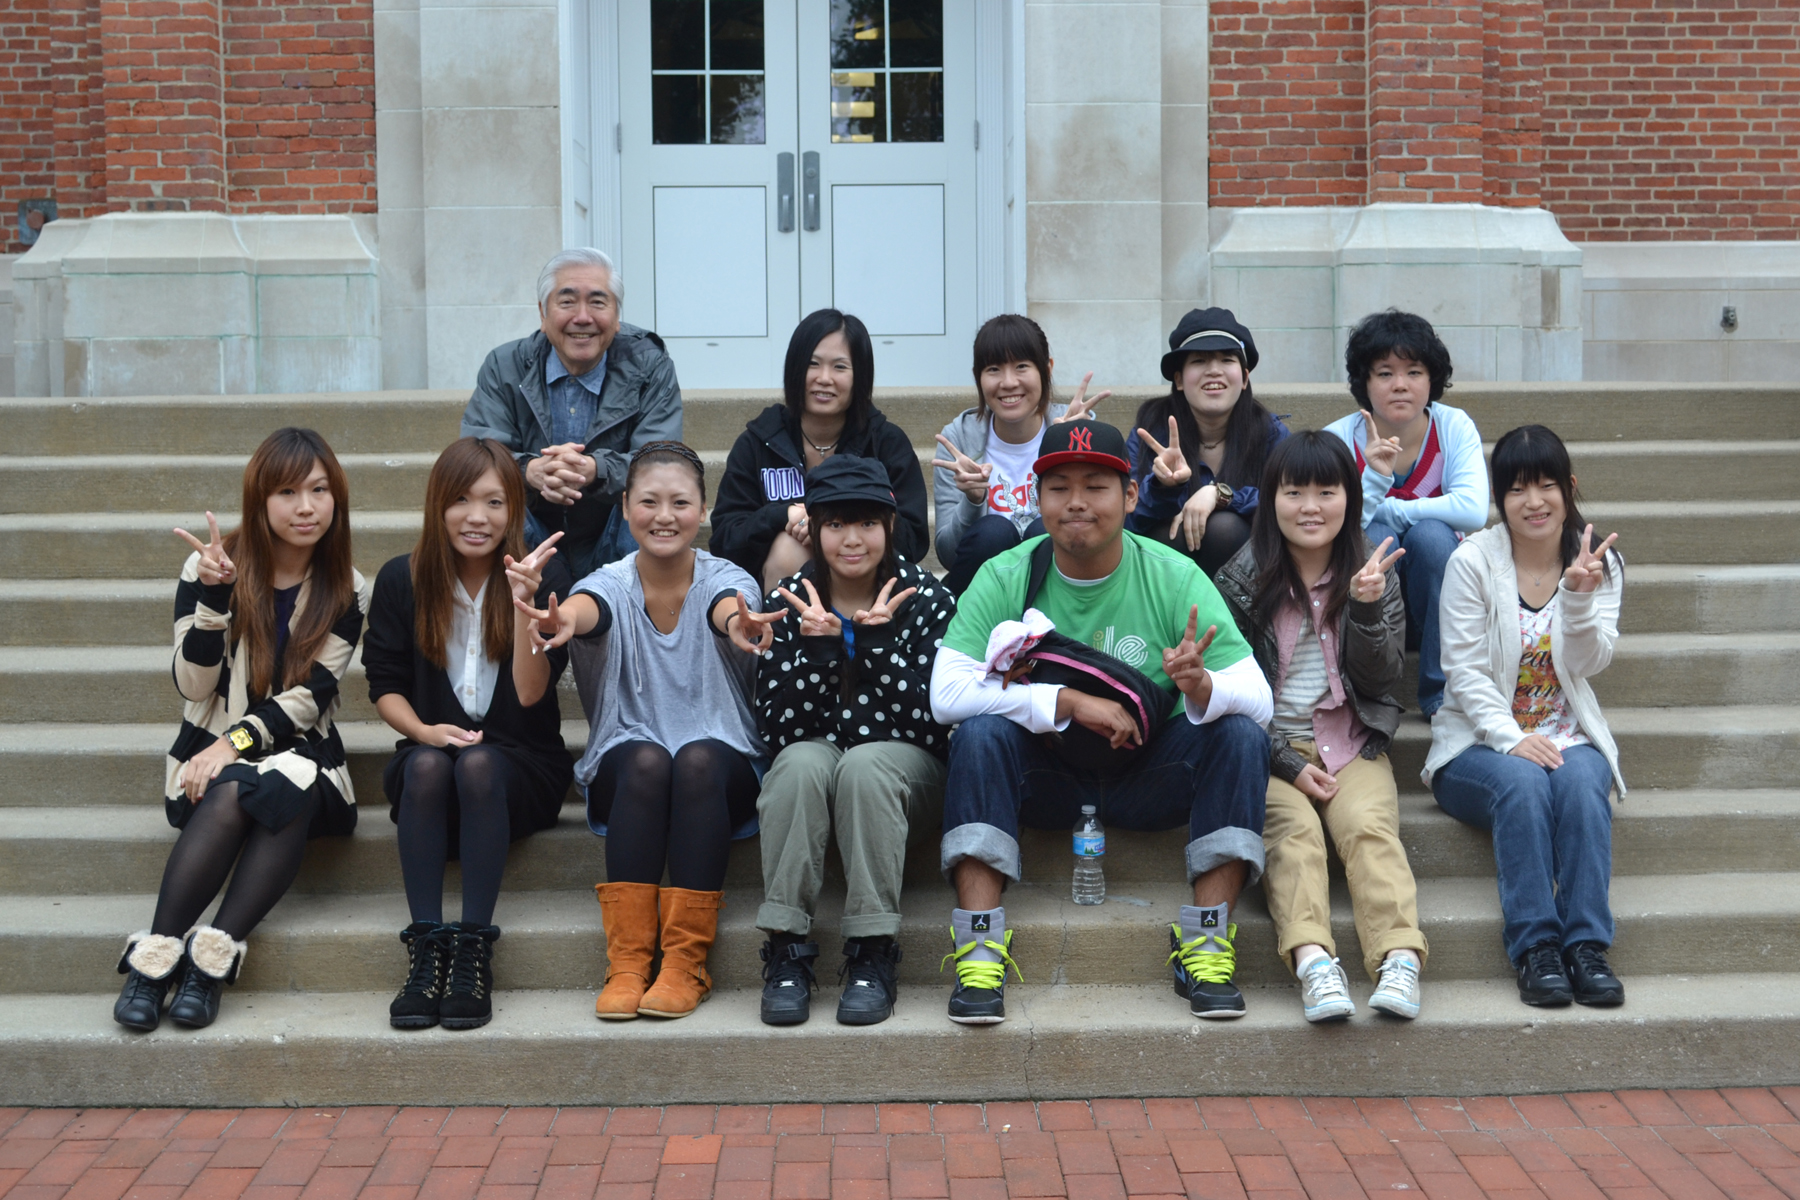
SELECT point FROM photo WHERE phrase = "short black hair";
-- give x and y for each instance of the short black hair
(814, 328)
(1531, 453)
(1394, 332)
(1011, 338)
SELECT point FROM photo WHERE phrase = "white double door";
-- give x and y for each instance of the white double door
(783, 156)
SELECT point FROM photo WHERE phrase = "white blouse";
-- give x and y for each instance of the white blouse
(472, 674)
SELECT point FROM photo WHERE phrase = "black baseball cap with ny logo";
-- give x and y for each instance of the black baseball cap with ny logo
(1082, 442)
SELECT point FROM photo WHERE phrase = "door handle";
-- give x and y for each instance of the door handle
(784, 192)
(809, 175)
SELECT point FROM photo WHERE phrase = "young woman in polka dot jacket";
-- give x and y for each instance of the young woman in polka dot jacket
(844, 699)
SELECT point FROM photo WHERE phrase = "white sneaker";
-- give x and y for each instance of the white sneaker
(1325, 991)
(1397, 988)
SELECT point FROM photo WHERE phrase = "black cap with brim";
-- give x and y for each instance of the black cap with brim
(846, 478)
(1082, 442)
(1208, 329)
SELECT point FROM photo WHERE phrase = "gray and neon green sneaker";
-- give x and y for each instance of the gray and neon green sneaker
(979, 997)
(1204, 967)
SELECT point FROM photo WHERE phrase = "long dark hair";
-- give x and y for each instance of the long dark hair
(285, 459)
(434, 558)
(1011, 338)
(814, 328)
(1533, 452)
(850, 512)
(1317, 458)
(1246, 430)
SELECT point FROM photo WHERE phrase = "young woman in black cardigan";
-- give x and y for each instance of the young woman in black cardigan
(481, 761)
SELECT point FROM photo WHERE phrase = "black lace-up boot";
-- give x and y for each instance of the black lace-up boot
(428, 962)
(469, 989)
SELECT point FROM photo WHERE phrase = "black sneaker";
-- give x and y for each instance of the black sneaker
(979, 997)
(468, 1001)
(787, 980)
(1542, 983)
(1591, 977)
(870, 986)
(428, 958)
(1205, 967)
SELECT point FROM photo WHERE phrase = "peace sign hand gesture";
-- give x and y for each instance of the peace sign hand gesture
(550, 626)
(1379, 452)
(885, 608)
(526, 575)
(1081, 408)
(970, 477)
(1589, 567)
(752, 633)
(815, 619)
(1170, 465)
(215, 566)
(1370, 583)
(1185, 664)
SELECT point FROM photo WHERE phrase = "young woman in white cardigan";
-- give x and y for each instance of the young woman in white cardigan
(1530, 613)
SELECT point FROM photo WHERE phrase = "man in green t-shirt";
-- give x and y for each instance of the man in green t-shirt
(1151, 608)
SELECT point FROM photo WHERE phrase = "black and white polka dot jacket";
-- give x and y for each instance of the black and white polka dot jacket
(799, 685)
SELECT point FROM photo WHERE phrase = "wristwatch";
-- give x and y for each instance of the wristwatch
(1224, 490)
(242, 739)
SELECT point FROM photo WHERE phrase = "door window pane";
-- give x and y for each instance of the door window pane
(887, 78)
(706, 77)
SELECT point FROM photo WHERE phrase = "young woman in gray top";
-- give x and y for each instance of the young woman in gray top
(665, 643)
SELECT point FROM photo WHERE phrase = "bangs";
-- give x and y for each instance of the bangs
(1528, 454)
(1001, 341)
(1312, 459)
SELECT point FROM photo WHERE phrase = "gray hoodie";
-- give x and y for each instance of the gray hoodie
(955, 511)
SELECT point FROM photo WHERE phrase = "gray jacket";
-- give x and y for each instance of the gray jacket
(640, 403)
(955, 511)
(1371, 645)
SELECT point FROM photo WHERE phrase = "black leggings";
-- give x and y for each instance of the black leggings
(677, 810)
(219, 834)
(986, 536)
(471, 787)
(1226, 533)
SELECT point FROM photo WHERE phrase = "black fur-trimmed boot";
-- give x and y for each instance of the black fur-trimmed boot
(149, 965)
(212, 961)
(468, 1001)
(428, 952)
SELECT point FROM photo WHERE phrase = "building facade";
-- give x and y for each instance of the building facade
(279, 196)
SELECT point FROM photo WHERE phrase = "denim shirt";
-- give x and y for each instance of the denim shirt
(574, 400)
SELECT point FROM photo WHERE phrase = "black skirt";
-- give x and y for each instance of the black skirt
(535, 790)
(273, 800)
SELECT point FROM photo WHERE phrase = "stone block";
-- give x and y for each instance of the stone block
(304, 364)
(1120, 342)
(458, 338)
(463, 148)
(152, 305)
(1094, 251)
(400, 158)
(1304, 355)
(1093, 152)
(396, 30)
(1659, 315)
(152, 366)
(488, 256)
(1767, 361)
(158, 243)
(313, 306)
(1065, 43)
(1185, 65)
(403, 347)
(1665, 362)
(473, 57)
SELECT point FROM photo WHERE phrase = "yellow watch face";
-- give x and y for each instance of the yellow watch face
(241, 738)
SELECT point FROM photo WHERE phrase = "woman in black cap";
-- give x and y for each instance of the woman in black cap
(843, 698)
(1198, 452)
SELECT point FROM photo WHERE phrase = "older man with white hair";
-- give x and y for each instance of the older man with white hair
(573, 401)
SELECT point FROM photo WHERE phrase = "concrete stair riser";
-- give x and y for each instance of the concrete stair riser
(555, 940)
(77, 851)
(1057, 1042)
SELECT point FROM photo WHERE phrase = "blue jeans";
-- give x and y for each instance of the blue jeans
(1552, 839)
(985, 537)
(1213, 776)
(1428, 546)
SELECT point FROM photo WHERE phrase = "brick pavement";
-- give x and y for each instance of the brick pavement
(1742, 1143)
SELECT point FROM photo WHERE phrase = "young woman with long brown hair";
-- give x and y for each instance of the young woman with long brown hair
(481, 761)
(266, 620)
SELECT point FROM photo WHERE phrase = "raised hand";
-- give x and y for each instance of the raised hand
(1589, 567)
(815, 619)
(550, 626)
(215, 566)
(1317, 783)
(750, 630)
(885, 608)
(1370, 583)
(1538, 749)
(970, 477)
(1379, 452)
(1081, 408)
(1169, 465)
(1185, 663)
(526, 575)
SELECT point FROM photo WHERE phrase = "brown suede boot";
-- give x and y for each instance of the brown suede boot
(628, 911)
(690, 922)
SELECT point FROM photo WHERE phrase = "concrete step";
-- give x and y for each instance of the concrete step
(69, 851)
(131, 683)
(1640, 471)
(1703, 924)
(1473, 1038)
(1659, 599)
(377, 422)
(1727, 747)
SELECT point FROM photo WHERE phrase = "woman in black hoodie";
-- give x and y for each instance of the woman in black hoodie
(759, 522)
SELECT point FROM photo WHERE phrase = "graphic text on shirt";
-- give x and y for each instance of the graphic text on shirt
(1131, 649)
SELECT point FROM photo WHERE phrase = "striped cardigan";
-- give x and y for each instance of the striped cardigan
(292, 731)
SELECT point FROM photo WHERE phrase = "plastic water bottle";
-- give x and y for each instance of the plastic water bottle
(1090, 848)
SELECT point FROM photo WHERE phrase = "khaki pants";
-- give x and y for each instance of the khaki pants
(1364, 823)
(879, 795)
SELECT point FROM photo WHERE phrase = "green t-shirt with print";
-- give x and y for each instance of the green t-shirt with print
(1134, 614)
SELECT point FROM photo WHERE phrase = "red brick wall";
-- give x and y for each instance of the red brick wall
(27, 140)
(164, 97)
(1672, 119)
(1512, 103)
(1289, 120)
(1425, 101)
